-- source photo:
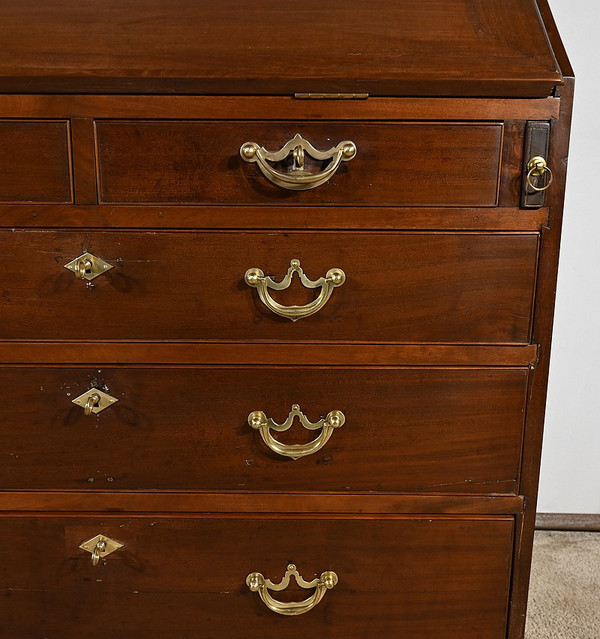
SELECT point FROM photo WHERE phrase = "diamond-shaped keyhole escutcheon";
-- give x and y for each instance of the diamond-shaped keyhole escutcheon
(100, 546)
(94, 401)
(88, 266)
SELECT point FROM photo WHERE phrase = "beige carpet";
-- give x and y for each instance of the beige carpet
(564, 600)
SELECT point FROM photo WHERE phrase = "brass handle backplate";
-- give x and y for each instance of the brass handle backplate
(259, 421)
(538, 169)
(100, 546)
(94, 401)
(298, 178)
(258, 583)
(256, 278)
(88, 266)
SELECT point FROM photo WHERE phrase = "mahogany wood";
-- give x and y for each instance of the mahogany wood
(414, 47)
(407, 430)
(84, 160)
(262, 217)
(239, 504)
(542, 335)
(35, 161)
(186, 576)
(444, 287)
(199, 162)
(301, 354)
(262, 108)
(447, 311)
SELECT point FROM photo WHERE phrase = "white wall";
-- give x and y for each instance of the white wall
(570, 481)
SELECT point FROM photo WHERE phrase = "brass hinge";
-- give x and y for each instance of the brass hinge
(331, 96)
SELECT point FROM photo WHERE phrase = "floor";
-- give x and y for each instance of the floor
(564, 599)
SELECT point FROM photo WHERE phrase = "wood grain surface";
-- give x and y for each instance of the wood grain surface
(401, 287)
(435, 430)
(35, 161)
(185, 577)
(199, 162)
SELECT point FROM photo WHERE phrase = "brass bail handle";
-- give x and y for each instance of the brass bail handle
(256, 278)
(298, 179)
(537, 167)
(257, 582)
(259, 421)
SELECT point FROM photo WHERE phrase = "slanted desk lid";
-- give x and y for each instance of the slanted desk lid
(276, 47)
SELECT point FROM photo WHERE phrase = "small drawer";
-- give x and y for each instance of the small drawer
(35, 163)
(398, 576)
(436, 430)
(375, 287)
(187, 162)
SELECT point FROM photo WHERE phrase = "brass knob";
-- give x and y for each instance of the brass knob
(537, 167)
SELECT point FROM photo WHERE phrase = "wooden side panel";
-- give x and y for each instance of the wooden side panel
(198, 162)
(414, 430)
(186, 577)
(35, 161)
(400, 287)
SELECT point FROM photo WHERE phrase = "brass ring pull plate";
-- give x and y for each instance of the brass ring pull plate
(94, 401)
(256, 278)
(537, 167)
(259, 421)
(99, 547)
(88, 267)
(258, 583)
(298, 179)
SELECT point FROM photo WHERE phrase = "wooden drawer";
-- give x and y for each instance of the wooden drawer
(400, 287)
(436, 164)
(406, 576)
(35, 161)
(440, 430)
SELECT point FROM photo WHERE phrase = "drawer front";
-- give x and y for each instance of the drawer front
(35, 161)
(436, 164)
(410, 430)
(418, 577)
(399, 287)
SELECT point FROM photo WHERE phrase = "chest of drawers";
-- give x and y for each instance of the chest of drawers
(276, 296)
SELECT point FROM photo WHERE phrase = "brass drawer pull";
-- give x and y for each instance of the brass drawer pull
(258, 583)
(256, 278)
(298, 179)
(94, 401)
(100, 546)
(88, 266)
(537, 167)
(259, 421)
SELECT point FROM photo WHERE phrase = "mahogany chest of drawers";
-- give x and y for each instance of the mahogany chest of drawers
(276, 297)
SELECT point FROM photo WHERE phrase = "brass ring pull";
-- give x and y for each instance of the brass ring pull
(82, 267)
(256, 278)
(298, 179)
(259, 421)
(258, 583)
(98, 552)
(92, 401)
(537, 167)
